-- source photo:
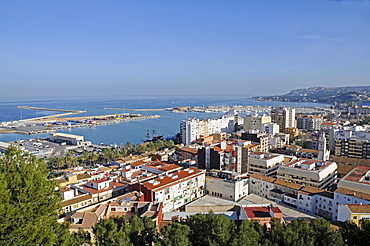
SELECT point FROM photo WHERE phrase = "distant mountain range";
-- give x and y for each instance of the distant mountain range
(329, 95)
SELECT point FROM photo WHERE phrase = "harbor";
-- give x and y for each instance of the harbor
(56, 122)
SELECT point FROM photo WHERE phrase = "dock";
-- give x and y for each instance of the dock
(49, 109)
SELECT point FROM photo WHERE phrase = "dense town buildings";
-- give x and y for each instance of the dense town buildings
(228, 167)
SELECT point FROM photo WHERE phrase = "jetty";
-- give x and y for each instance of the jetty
(49, 109)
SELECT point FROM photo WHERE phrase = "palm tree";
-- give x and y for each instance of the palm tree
(56, 162)
(92, 158)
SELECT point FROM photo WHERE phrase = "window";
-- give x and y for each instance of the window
(355, 217)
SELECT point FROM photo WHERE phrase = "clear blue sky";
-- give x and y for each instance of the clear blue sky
(118, 47)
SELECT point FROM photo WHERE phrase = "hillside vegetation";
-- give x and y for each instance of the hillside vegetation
(329, 95)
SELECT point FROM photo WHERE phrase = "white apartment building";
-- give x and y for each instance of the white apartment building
(264, 163)
(173, 190)
(309, 172)
(261, 185)
(270, 128)
(312, 200)
(221, 185)
(192, 128)
(255, 122)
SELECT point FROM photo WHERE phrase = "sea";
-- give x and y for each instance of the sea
(121, 133)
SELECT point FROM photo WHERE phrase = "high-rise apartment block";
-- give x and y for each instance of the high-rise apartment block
(221, 157)
(284, 117)
(192, 128)
(255, 122)
(352, 143)
(310, 122)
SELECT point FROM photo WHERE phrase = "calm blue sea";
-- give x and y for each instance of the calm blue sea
(134, 132)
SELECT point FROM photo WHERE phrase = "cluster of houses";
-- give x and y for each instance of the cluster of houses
(230, 171)
(229, 166)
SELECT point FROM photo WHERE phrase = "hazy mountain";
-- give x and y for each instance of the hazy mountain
(323, 95)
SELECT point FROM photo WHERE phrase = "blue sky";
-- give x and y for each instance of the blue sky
(117, 47)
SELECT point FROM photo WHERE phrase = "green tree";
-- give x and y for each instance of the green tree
(56, 162)
(111, 232)
(143, 230)
(247, 235)
(354, 235)
(80, 237)
(92, 158)
(295, 233)
(210, 229)
(175, 234)
(29, 202)
(324, 234)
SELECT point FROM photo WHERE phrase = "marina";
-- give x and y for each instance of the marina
(55, 122)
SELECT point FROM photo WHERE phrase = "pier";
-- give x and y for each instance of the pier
(49, 109)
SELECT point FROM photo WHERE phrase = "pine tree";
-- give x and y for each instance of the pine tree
(29, 202)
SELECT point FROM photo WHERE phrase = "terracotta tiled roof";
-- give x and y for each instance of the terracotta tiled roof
(356, 208)
(137, 163)
(356, 174)
(353, 193)
(264, 178)
(288, 184)
(76, 200)
(276, 210)
(344, 169)
(257, 212)
(315, 151)
(83, 176)
(352, 161)
(189, 150)
(167, 181)
(313, 190)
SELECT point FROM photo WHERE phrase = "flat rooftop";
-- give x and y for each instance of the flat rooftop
(358, 175)
(308, 164)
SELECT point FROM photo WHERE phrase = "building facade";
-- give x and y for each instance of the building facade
(309, 172)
